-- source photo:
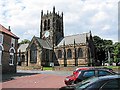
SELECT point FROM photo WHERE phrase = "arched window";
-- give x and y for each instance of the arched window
(23, 58)
(11, 59)
(33, 53)
(58, 25)
(69, 53)
(80, 52)
(45, 25)
(1, 48)
(48, 24)
(59, 54)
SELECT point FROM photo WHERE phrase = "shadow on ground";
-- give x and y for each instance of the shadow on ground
(8, 77)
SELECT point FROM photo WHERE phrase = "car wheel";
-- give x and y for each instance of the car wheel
(77, 81)
(72, 82)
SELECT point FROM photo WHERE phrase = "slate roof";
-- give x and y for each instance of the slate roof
(23, 47)
(79, 39)
(44, 43)
(3, 29)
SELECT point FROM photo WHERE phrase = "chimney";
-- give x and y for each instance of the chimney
(9, 28)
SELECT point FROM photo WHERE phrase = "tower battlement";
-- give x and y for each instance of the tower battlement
(52, 26)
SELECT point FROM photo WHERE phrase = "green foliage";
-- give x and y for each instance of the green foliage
(100, 42)
(97, 41)
(116, 52)
(102, 47)
(24, 41)
(107, 42)
(47, 68)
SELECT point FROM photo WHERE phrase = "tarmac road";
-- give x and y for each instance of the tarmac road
(61, 73)
(36, 79)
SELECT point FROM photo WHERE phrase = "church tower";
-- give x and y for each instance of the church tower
(51, 27)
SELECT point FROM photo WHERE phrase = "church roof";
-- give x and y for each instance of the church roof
(23, 47)
(79, 39)
(44, 43)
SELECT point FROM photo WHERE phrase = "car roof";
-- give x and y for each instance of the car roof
(95, 79)
(93, 68)
(96, 69)
(101, 69)
(110, 77)
(107, 77)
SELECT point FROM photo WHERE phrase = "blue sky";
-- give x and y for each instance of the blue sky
(80, 16)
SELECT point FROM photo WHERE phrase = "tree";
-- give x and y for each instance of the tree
(25, 41)
(116, 52)
(102, 47)
(97, 41)
(107, 42)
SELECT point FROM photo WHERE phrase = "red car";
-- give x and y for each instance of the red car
(69, 80)
(81, 68)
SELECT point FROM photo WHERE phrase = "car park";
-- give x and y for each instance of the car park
(87, 73)
(109, 82)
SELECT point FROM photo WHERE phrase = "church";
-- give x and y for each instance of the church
(52, 48)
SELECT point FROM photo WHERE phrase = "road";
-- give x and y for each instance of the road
(36, 79)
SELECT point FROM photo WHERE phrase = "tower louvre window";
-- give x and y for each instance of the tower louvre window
(48, 24)
(58, 25)
(45, 24)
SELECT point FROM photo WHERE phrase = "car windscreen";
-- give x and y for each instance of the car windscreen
(85, 83)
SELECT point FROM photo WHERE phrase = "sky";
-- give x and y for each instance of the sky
(80, 16)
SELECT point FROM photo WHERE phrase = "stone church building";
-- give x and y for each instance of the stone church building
(53, 48)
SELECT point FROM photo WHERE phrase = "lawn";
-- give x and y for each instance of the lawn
(47, 68)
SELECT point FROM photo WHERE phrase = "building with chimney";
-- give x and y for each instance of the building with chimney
(53, 48)
(8, 50)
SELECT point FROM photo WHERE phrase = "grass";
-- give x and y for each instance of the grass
(113, 67)
(47, 68)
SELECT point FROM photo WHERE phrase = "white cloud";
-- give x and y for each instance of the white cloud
(79, 16)
(99, 17)
(106, 28)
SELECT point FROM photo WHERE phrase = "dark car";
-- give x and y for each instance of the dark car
(110, 82)
(84, 74)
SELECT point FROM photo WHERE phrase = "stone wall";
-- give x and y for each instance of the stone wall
(71, 61)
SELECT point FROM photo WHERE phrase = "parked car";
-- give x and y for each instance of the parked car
(69, 79)
(81, 68)
(84, 74)
(109, 82)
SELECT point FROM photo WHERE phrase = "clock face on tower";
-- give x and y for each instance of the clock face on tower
(47, 34)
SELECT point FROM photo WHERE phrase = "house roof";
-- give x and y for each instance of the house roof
(6, 31)
(23, 47)
(44, 43)
(78, 38)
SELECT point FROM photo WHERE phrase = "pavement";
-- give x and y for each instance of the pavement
(34, 79)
